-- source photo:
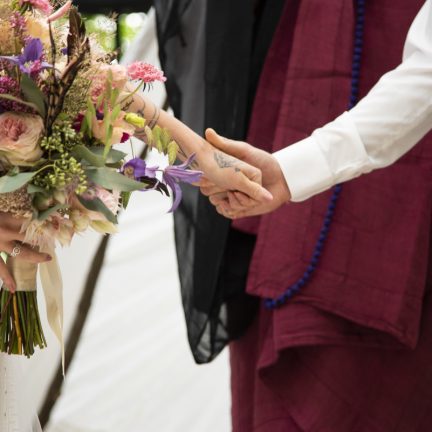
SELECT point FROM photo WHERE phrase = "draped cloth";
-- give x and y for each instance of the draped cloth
(351, 352)
(212, 52)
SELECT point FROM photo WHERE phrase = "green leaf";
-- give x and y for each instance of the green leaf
(45, 214)
(157, 138)
(82, 152)
(32, 189)
(95, 155)
(165, 140)
(111, 179)
(33, 94)
(97, 205)
(115, 112)
(114, 97)
(12, 183)
(113, 157)
(172, 151)
(125, 196)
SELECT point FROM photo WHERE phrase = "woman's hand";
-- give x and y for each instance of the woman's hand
(10, 237)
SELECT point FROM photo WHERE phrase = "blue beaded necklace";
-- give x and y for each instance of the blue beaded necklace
(323, 235)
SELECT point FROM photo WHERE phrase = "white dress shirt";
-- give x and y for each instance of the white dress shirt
(383, 126)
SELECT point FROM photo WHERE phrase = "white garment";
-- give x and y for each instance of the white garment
(387, 123)
(15, 414)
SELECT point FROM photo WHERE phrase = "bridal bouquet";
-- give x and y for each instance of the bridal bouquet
(63, 108)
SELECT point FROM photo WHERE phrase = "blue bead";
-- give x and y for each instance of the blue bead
(356, 59)
(295, 288)
(302, 282)
(325, 230)
(288, 295)
(268, 303)
(280, 301)
(310, 268)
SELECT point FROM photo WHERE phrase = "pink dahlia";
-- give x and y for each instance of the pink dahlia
(145, 72)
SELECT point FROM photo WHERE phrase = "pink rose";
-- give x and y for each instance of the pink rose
(20, 136)
(100, 81)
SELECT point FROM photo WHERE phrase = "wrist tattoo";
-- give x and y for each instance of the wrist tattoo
(155, 117)
(184, 156)
(225, 161)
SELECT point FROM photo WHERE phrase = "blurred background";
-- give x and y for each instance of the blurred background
(128, 362)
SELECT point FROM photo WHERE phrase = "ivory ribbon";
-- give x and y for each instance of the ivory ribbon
(24, 273)
(52, 285)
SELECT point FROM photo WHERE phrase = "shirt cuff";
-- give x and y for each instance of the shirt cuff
(305, 169)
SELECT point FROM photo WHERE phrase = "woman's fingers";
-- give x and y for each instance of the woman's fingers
(211, 190)
(25, 252)
(217, 199)
(6, 277)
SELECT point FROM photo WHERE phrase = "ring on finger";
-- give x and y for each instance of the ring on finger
(16, 250)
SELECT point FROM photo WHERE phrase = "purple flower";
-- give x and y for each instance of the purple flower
(137, 168)
(30, 61)
(175, 174)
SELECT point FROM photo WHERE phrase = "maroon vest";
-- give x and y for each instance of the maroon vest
(370, 283)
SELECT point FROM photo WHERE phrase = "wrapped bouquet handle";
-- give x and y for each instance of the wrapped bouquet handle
(20, 326)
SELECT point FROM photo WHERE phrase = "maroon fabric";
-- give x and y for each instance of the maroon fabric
(363, 308)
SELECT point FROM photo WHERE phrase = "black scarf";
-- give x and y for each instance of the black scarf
(212, 53)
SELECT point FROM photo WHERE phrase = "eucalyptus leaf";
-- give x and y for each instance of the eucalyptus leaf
(113, 157)
(12, 183)
(33, 94)
(32, 189)
(47, 213)
(82, 152)
(111, 179)
(97, 205)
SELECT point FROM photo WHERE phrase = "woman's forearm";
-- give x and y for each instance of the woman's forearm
(221, 169)
(188, 141)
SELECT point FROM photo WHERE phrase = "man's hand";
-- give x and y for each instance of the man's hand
(233, 203)
(227, 173)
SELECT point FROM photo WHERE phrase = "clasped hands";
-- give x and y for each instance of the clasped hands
(255, 185)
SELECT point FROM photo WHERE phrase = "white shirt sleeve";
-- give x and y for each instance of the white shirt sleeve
(383, 126)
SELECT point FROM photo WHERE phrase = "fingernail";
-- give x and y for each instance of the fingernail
(266, 195)
(48, 258)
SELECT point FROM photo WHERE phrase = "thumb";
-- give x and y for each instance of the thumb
(237, 149)
(253, 190)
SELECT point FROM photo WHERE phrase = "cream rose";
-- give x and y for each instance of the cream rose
(37, 29)
(19, 138)
(120, 127)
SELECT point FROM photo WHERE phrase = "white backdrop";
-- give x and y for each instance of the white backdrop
(133, 370)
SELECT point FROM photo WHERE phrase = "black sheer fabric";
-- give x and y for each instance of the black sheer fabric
(212, 52)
